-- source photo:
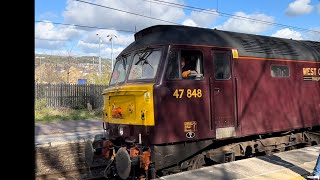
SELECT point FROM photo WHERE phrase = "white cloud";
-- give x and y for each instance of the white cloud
(288, 34)
(313, 36)
(105, 52)
(58, 52)
(47, 30)
(48, 44)
(299, 7)
(48, 36)
(203, 19)
(90, 43)
(93, 49)
(318, 7)
(245, 25)
(89, 47)
(86, 14)
(189, 22)
(122, 39)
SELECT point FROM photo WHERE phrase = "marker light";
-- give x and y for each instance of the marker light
(120, 131)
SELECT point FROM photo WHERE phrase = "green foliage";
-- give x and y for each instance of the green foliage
(104, 80)
(94, 78)
(40, 104)
(64, 58)
(64, 114)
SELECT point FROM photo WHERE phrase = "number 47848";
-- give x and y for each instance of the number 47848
(196, 93)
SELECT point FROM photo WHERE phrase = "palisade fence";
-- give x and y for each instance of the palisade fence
(75, 96)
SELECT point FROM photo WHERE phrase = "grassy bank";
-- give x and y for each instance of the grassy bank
(45, 115)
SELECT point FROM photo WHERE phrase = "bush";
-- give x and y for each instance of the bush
(40, 104)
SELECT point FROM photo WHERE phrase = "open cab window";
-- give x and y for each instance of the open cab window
(185, 64)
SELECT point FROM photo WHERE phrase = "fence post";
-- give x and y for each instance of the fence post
(49, 94)
(92, 96)
(36, 89)
(61, 96)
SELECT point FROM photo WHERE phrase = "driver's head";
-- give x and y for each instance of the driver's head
(183, 62)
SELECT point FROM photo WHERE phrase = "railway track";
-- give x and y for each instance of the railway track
(65, 161)
(76, 174)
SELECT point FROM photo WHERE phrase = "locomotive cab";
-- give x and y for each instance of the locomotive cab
(128, 114)
(147, 89)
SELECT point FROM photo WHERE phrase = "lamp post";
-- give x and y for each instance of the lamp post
(111, 39)
(99, 55)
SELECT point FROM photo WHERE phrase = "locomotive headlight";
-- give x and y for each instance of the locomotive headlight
(120, 131)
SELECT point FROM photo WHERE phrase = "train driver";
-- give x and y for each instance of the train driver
(186, 68)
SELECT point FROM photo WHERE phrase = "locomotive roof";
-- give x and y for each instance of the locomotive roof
(247, 44)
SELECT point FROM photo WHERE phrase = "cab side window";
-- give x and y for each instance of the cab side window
(221, 65)
(185, 64)
(173, 65)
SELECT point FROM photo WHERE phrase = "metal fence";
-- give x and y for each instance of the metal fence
(70, 95)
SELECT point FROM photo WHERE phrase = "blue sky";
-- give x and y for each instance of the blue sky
(52, 38)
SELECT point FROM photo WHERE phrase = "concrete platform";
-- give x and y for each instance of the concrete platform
(63, 138)
(289, 165)
(67, 131)
(62, 127)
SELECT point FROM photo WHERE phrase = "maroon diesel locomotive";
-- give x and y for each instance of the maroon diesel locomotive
(234, 95)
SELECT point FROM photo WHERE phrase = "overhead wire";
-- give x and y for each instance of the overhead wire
(177, 5)
(120, 10)
(84, 26)
(220, 13)
(43, 39)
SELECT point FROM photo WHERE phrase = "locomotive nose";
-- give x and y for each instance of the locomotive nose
(129, 105)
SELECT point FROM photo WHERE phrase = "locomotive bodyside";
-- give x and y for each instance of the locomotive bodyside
(270, 104)
(245, 86)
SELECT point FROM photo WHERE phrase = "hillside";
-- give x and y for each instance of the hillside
(62, 69)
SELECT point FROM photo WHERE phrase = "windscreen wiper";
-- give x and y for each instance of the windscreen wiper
(146, 62)
(145, 54)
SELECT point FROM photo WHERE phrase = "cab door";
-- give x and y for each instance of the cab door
(184, 102)
(222, 94)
